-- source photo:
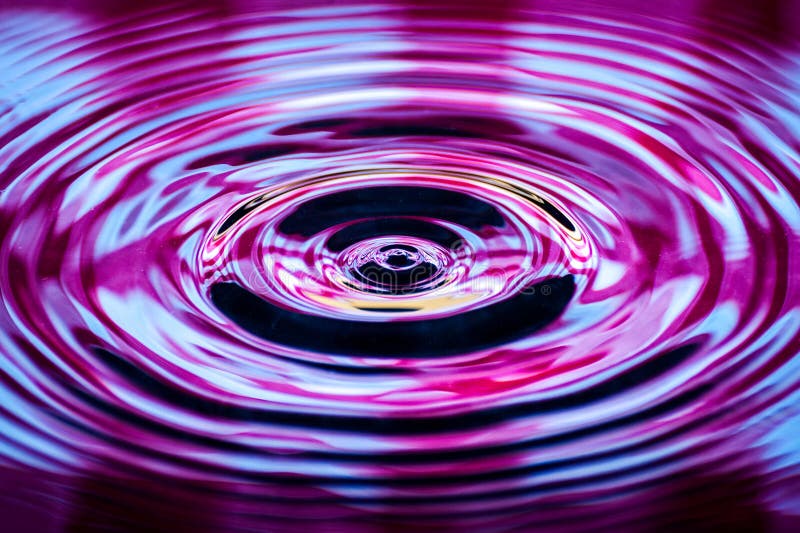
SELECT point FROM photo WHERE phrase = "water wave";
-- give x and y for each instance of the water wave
(372, 265)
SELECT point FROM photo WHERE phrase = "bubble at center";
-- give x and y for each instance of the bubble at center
(398, 257)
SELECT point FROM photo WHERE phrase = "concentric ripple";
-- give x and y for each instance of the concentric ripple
(374, 265)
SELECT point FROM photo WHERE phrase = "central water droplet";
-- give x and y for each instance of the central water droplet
(399, 257)
(391, 267)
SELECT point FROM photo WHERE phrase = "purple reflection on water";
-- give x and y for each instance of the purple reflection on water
(363, 266)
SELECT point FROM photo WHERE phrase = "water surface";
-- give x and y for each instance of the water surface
(370, 266)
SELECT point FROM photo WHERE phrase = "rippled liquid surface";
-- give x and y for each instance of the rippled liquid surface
(377, 266)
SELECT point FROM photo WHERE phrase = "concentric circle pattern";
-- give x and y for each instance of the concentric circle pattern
(353, 267)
